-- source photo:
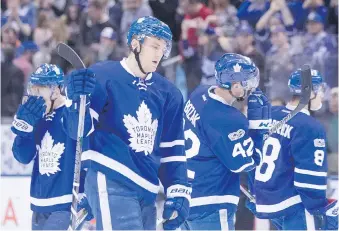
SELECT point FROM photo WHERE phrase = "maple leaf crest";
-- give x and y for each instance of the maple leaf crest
(49, 155)
(142, 129)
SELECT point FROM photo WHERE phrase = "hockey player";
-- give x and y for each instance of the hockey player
(290, 184)
(40, 137)
(137, 117)
(221, 142)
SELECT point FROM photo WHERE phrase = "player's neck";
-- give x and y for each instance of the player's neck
(229, 99)
(295, 103)
(132, 64)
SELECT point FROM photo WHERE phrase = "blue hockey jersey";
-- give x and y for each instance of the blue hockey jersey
(53, 152)
(293, 173)
(218, 147)
(138, 129)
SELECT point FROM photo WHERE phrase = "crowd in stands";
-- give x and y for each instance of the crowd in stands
(279, 35)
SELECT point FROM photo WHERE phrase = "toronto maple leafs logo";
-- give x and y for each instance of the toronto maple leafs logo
(141, 129)
(49, 155)
(237, 68)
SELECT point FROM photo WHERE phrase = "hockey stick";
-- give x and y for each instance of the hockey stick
(71, 56)
(306, 88)
(171, 61)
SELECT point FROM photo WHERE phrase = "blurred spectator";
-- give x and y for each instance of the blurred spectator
(245, 46)
(280, 15)
(29, 12)
(279, 64)
(224, 17)
(91, 25)
(13, 17)
(82, 4)
(166, 11)
(252, 10)
(25, 60)
(192, 26)
(115, 15)
(12, 84)
(332, 133)
(132, 10)
(316, 6)
(73, 24)
(46, 7)
(333, 17)
(108, 49)
(9, 38)
(318, 44)
(42, 34)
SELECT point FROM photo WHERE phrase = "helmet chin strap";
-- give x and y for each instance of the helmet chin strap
(137, 57)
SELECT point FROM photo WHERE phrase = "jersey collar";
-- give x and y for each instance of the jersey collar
(291, 108)
(124, 65)
(215, 96)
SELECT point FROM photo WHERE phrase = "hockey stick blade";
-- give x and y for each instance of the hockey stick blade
(70, 55)
(306, 88)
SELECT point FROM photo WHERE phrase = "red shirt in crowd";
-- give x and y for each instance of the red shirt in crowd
(192, 36)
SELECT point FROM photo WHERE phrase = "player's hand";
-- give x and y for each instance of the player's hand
(259, 110)
(327, 218)
(28, 115)
(83, 204)
(176, 207)
(80, 82)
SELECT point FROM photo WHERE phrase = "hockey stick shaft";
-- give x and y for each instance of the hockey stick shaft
(171, 61)
(306, 88)
(247, 193)
(70, 55)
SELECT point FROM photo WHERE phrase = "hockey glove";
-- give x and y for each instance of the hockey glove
(28, 115)
(327, 218)
(177, 203)
(83, 204)
(259, 111)
(80, 82)
(259, 116)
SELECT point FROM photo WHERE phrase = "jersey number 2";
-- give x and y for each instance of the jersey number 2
(194, 150)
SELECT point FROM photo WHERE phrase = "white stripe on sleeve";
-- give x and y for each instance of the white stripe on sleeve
(309, 172)
(173, 159)
(172, 143)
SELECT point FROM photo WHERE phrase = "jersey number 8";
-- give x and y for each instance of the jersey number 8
(269, 159)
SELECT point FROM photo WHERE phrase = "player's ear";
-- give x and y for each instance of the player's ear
(135, 44)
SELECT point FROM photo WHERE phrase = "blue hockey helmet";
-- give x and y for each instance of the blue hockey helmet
(232, 68)
(152, 27)
(47, 75)
(294, 82)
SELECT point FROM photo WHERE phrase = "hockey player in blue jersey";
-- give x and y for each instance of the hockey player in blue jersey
(137, 137)
(290, 184)
(221, 142)
(40, 137)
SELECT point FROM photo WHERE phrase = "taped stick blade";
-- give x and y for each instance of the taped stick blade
(306, 84)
